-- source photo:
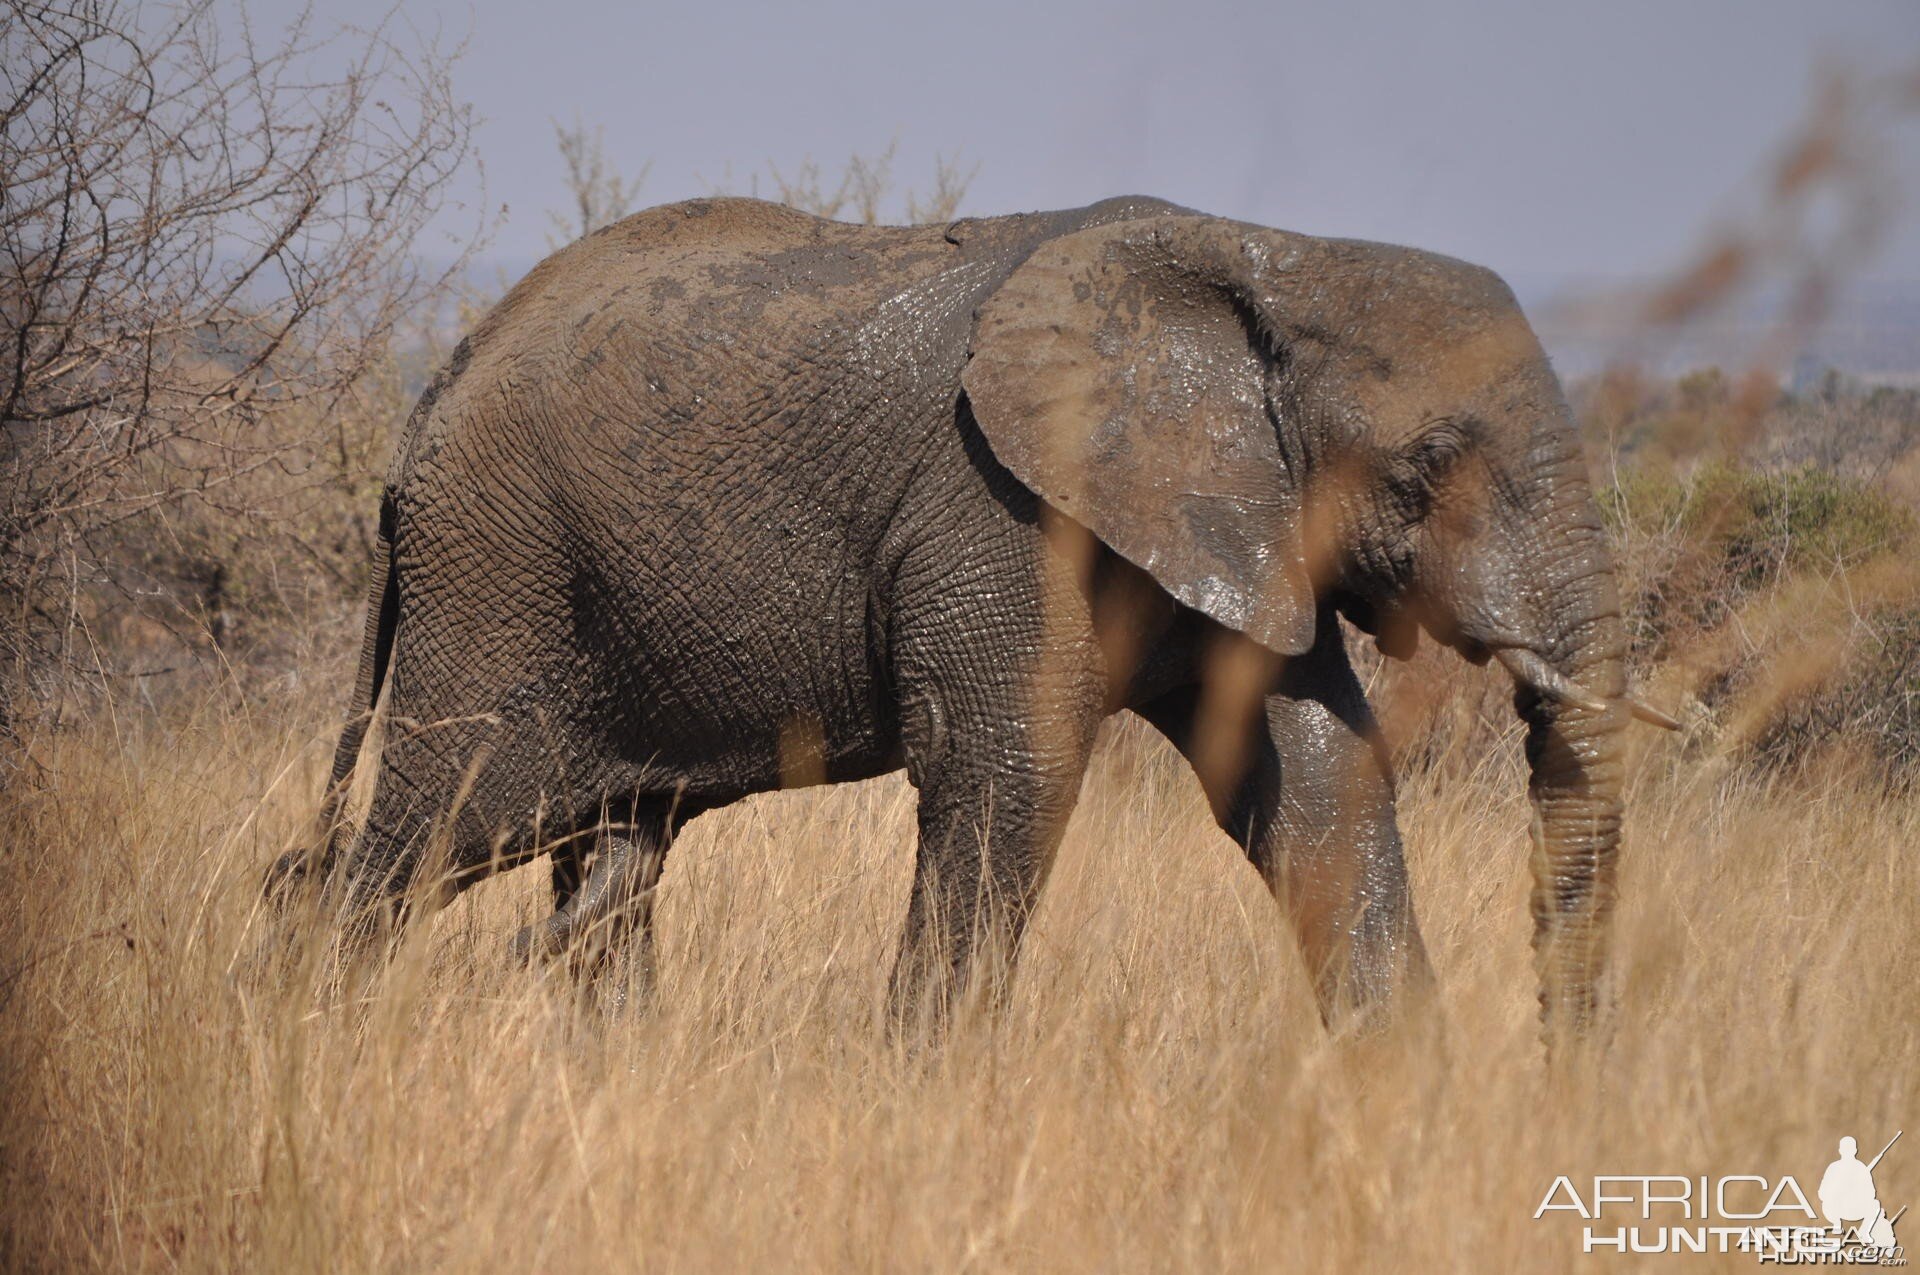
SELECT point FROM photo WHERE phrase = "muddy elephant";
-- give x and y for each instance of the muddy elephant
(726, 498)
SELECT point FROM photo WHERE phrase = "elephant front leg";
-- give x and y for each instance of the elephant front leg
(987, 842)
(1325, 837)
(1313, 808)
(996, 746)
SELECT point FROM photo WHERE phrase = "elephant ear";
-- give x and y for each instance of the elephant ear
(1123, 373)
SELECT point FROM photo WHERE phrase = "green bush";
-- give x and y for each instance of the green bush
(1762, 524)
(1692, 549)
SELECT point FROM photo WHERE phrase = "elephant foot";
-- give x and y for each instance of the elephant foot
(604, 981)
(539, 944)
(621, 987)
(589, 956)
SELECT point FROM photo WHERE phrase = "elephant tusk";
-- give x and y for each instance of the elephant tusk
(1530, 670)
(1652, 716)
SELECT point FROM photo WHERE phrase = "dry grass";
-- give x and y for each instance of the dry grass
(1161, 1095)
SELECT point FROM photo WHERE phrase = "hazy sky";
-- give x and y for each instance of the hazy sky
(1544, 139)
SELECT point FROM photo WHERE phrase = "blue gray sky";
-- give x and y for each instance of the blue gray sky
(1548, 140)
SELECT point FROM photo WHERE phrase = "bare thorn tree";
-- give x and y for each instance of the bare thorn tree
(599, 195)
(865, 184)
(199, 233)
(942, 203)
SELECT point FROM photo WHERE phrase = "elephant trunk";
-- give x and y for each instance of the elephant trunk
(1571, 692)
(1575, 754)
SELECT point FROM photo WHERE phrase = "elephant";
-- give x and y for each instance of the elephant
(727, 498)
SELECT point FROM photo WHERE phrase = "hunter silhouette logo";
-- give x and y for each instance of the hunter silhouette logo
(1847, 1194)
(1772, 1218)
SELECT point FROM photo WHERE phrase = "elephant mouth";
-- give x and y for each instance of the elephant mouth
(1395, 629)
(1533, 673)
(1395, 626)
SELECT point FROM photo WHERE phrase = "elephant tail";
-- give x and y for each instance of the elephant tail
(376, 650)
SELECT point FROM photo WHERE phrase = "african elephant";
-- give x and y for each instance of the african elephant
(726, 498)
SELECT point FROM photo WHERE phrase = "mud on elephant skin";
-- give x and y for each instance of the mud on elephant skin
(725, 498)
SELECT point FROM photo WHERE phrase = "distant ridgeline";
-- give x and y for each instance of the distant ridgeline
(1870, 337)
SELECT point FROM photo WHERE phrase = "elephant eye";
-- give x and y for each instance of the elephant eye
(1437, 447)
(1415, 471)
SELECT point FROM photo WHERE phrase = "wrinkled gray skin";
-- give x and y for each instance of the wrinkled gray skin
(725, 498)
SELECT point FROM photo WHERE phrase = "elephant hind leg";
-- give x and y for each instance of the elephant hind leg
(567, 871)
(612, 902)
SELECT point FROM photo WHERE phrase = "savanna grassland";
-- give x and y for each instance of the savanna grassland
(1160, 1093)
(190, 444)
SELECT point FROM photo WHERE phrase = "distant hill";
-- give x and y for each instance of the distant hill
(1871, 332)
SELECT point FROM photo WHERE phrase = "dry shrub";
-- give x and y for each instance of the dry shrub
(1823, 668)
(1696, 547)
(1771, 591)
(253, 585)
(1874, 700)
(206, 249)
(863, 190)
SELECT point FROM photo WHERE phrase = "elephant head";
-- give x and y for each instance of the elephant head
(1267, 421)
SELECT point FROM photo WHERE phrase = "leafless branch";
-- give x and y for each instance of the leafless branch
(199, 232)
(598, 194)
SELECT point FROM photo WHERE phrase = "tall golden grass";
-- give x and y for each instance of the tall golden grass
(1159, 1095)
